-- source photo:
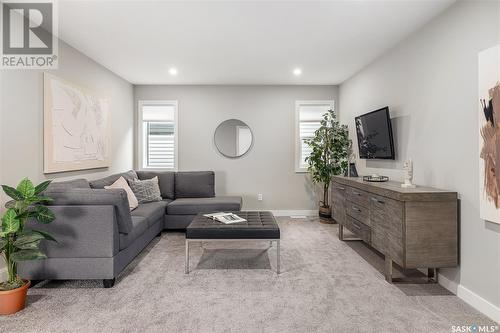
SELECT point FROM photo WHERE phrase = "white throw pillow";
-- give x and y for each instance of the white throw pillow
(122, 183)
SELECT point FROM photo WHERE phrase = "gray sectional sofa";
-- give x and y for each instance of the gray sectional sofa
(98, 235)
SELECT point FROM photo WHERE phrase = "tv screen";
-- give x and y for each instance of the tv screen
(374, 132)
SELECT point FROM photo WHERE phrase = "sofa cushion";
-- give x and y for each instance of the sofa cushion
(146, 190)
(193, 206)
(107, 181)
(68, 184)
(121, 183)
(82, 196)
(152, 211)
(195, 184)
(165, 180)
(139, 226)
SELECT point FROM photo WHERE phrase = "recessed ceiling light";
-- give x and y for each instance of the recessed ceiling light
(297, 71)
(172, 71)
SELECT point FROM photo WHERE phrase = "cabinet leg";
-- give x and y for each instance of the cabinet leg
(388, 269)
(186, 259)
(342, 238)
(432, 275)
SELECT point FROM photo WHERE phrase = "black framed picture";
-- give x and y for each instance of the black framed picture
(352, 170)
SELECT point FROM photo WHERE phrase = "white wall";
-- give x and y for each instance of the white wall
(21, 118)
(430, 83)
(268, 168)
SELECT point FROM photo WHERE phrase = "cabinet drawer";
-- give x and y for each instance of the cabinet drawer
(386, 221)
(338, 191)
(338, 203)
(359, 229)
(360, 213)
(387, 213)
(358, 196)
(384, 204)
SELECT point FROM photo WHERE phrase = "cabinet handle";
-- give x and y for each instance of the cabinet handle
(377, 201)
(356, 209)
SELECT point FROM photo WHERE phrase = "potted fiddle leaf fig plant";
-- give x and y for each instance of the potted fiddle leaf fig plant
(18, 243)
(329, 156)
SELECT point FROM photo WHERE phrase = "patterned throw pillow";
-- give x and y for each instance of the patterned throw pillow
(146, 190)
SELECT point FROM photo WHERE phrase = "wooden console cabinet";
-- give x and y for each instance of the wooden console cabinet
(415, 228)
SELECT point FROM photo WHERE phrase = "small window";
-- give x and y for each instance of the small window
(157, 135)
(308, 115)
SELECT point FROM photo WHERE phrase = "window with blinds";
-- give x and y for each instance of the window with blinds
(308, 117)
(307, 129)
(158, 135)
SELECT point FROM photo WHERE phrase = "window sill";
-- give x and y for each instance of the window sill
(157, 169)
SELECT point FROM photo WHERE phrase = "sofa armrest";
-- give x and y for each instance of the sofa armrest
(97, 197)
(83, 231)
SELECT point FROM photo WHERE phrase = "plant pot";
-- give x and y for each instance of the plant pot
(12, 301)
(325, 212)
(325, 215)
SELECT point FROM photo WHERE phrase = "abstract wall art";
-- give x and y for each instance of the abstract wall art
(76, 127)
(489, 134)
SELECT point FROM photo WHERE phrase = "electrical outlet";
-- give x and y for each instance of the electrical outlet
(259, 196)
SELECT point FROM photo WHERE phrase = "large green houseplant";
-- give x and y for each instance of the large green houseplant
(329, 156)
(18, 243)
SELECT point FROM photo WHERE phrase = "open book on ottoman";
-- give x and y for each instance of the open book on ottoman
(226, 218)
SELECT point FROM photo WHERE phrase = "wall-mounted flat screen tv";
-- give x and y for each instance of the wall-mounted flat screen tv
(374, 132)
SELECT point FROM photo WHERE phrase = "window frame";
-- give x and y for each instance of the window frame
(298, 144)
(140, 134)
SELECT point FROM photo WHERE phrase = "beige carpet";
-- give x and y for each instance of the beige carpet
(325, 286)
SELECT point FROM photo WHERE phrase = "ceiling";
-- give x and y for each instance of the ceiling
(240, 42)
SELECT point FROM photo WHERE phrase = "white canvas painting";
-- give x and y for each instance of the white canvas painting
(489, 134)
(76, 127)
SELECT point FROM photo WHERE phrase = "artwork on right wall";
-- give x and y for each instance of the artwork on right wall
(489, 134)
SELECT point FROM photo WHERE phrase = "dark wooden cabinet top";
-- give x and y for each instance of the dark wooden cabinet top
(393, 190)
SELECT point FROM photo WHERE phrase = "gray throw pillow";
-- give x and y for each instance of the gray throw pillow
(146, 190)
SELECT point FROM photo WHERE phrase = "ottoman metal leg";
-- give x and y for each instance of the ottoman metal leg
(186, 263)
(277, 256)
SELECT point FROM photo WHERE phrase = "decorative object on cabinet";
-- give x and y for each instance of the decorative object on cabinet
(408, 168)
(375, 178)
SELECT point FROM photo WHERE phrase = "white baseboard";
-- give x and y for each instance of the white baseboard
(471, 298)
(295, 212)
(452, 286)
(479, 303)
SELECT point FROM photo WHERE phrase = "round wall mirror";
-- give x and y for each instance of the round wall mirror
(233, 138)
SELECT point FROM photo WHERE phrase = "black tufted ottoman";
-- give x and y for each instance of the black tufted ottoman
(259, 226)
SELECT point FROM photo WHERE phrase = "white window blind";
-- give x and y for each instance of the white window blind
(158, 128)
(307, 129)
(160, 144)
(308, 117)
